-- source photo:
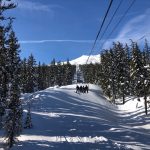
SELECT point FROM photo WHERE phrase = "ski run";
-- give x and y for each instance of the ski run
(65, 120)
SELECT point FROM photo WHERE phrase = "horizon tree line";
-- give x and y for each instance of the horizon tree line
(39, 77)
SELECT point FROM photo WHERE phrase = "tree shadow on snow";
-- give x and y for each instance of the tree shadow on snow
(64, 114)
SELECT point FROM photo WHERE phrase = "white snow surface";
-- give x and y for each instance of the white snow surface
(83, 59)
(65, 120)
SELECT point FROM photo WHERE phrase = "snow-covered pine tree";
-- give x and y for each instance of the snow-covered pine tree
(28, 120)
(3, 73)
(127, 68)
(146, 54)
(91, 73)
(102, 78)
(113, 76)
(88, 73)
(4, 6)
(23, 75)
(68, 73)
(43, 76)
(59, 74)
(136, 71)
(52, 73)
(45, 70)
(98, 70)
(31, 75)
(105, 80)
(146, 86)
(39, 80)
(121, 70)
(13, 120)
(146, 73)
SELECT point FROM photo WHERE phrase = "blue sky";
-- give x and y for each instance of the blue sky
(64, 29)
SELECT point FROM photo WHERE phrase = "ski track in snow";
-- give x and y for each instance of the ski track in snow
(66, 120)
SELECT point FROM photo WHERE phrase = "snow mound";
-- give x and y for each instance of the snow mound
(132, 104)
(64, 139)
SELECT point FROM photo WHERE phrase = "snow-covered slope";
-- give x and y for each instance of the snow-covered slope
(83, 59)
(65, 120)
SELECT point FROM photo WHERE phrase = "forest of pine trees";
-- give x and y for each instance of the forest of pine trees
(39, 77)
(124, 71)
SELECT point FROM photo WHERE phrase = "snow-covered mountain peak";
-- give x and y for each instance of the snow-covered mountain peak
(93, 59)
(83, 59)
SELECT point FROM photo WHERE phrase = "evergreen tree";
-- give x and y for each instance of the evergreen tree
(59, 74)
(39, 80)
(136, 70)
(121, 71)
(146, 86)
(91, 73)
(23, 75)
(4, 6)
(106, 82)
(68, 73)
(98, 72)
(43, 76)
(13, 121)
(31, 75)
(52, 73)
(146, 54)
(3, 73)
(28, 120)
(127, 69)
(112, 75)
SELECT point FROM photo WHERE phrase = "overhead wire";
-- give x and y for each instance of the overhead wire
(115, 27)
(106, 14)
(143, 36)
(111, 19)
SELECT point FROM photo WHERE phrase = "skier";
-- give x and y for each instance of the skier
(77, 89)
(81, 89)
(86, 89)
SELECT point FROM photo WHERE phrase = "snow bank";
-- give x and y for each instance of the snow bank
(56, 139)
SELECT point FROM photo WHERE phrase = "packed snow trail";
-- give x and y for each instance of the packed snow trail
(65, 120)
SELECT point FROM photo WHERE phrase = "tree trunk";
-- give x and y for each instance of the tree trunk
(11, 140)
(0, 121)
(145, 100)
(12, 134)
(123, 99)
